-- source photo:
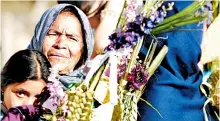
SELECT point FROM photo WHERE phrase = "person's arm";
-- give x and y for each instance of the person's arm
(108, 22)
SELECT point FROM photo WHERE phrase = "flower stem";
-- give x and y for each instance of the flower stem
(189, 10)
(132, 61)
(150, 53)
(215, 8)
(97, 76)
(176, 23)
(134, 55)
(147, 9)
(122, 18)
(151, 107)
(156, 62)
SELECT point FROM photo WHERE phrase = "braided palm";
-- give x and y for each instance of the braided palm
(215, 90)
(129, 107)
(79, 105)
(126, 109)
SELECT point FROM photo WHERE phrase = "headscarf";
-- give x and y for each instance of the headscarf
(43, 26)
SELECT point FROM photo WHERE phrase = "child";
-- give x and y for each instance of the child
(23, 79)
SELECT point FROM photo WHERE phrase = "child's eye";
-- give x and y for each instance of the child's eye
(21, 94)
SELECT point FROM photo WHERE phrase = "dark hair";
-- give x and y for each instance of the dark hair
(25, 65)
(72, 11)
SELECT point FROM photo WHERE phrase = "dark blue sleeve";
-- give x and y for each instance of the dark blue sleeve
(174, 89)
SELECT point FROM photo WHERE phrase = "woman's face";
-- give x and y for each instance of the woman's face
(63, 44)
(24, 93)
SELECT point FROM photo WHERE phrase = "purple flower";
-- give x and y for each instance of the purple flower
(122, 40)
(132, 10)
(122, 66)
(137, 77)
(55, 88)
(136, 28)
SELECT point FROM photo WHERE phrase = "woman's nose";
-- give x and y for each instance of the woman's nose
(61, 42)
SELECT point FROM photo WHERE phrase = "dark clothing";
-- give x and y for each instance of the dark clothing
(24, 113)
(174, 89)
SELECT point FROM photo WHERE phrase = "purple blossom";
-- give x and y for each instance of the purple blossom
(122, 40)
(132, 9)
(122, 66)
(137, 77)
(55, 88)
(137, 28)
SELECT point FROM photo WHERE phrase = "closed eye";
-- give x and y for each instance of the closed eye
(52, 34)
(74, 39)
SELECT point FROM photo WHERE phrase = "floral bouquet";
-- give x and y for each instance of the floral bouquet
(116, 80)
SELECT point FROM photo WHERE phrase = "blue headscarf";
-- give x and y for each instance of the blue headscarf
(43, 26)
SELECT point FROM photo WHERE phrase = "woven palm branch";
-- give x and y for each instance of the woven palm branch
(79, 105)
(215, 90)
(129, 107)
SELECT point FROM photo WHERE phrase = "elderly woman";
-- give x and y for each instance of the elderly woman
(103, 16)
(64, 35)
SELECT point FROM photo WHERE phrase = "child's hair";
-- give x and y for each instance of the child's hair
(25, 65)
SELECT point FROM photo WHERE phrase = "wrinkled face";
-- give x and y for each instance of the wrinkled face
(24, 93)
(63, 44)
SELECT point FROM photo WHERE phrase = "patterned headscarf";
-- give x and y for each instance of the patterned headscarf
(43, 26)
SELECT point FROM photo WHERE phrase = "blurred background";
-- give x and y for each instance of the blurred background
(19, 18)
(18, 21)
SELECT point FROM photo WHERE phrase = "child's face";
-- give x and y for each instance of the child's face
(25, 93)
